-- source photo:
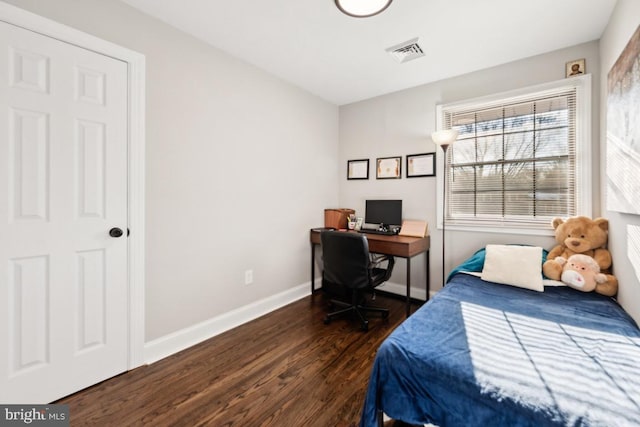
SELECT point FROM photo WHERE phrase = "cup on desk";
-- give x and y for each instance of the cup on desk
(351, 225)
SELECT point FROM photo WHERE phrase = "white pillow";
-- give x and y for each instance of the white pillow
(513, 265)
(552, 283)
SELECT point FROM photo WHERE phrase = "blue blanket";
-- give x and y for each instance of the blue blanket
(483, 354)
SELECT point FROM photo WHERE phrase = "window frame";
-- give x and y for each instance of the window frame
(584, 170)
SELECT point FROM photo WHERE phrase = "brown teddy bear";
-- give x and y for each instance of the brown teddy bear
(581, 235)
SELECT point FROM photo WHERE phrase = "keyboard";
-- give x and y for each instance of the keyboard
(376, 231)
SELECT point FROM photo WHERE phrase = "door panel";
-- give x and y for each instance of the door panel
(63, 186)
(28, 321)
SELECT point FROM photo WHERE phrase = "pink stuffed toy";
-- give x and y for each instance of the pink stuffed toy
(581, 272)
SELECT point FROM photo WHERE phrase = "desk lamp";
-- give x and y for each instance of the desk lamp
(444, 138)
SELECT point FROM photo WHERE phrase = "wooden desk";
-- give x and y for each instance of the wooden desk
(399, 246)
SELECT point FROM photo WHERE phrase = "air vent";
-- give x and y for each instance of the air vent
(406, 51)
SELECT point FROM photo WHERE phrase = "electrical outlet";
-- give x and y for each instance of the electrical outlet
(248, 277)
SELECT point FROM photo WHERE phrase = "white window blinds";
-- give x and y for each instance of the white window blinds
(515, 160)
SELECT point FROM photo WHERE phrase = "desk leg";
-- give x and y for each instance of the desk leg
(408, 303)
(426, 255)
(313, 268)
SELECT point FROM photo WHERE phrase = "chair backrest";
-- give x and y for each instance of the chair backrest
(345, 259)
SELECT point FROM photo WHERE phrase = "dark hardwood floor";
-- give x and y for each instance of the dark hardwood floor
(286, 368)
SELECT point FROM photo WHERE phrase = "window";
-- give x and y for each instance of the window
(520, 159)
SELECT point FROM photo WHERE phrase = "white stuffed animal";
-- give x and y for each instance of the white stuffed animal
(581, 272)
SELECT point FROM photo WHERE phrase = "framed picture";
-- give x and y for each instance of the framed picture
(421, 165)
(388, 167)
(623, 131)
(358, 169)
(575, 68)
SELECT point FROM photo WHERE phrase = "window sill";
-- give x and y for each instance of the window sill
(502, 229)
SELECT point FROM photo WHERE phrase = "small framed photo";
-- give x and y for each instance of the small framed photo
(575, 68)
(421, 165)
(388, 167)
(358, 169)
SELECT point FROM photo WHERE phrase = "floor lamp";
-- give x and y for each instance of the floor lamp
(444, 138)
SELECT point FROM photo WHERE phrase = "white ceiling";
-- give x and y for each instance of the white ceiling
(311, 44)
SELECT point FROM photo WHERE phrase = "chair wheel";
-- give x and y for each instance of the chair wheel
(364, 326)
(327, 320)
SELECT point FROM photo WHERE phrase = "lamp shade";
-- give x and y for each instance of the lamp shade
(444, 137)
(362, 8)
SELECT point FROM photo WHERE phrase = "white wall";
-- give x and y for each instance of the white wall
(623, 23)
(220, 134)
(401, 123)
(239, 166)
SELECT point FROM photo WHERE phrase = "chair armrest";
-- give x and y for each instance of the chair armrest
(376, 269)
(376, 259)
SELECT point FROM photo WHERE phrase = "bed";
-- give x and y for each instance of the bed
(487, 354)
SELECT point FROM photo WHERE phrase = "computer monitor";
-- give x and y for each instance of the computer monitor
(383, 212)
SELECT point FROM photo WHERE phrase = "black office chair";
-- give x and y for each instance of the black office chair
(347, 263)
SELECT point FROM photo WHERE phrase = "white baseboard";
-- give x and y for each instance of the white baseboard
(185, 338)
(398, 289)
(180, 340)
(395, 288)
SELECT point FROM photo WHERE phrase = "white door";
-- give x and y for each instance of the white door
(63, 186)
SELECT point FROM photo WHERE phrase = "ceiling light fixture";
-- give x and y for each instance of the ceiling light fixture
(362, 8)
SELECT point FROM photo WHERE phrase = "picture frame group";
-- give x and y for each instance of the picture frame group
(416, 166)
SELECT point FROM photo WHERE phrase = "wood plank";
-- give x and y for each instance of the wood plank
(286, 368)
